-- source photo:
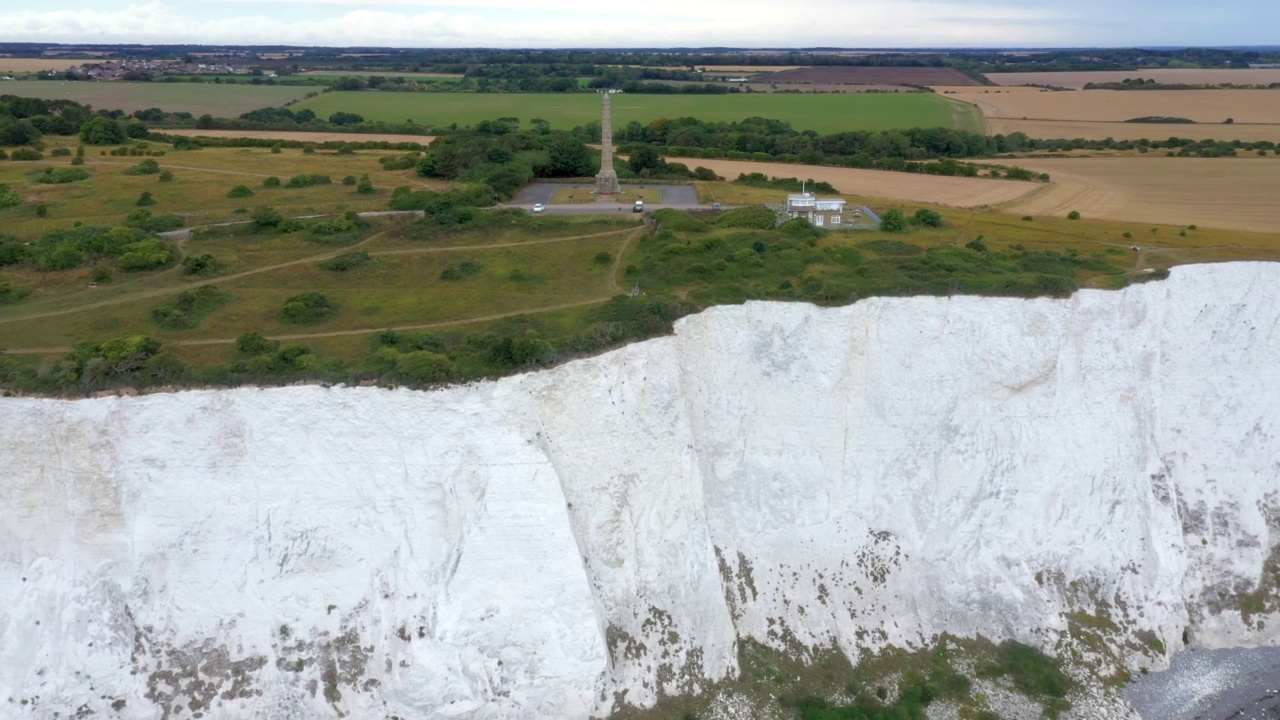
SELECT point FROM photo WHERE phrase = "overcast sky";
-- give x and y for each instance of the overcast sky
(648, 23)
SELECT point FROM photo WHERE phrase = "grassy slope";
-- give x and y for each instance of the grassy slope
(822, 113)
(195, 98)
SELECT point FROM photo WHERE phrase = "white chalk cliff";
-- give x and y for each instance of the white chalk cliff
(550, 544)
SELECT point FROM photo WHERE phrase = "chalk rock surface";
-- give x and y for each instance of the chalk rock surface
(553, 544)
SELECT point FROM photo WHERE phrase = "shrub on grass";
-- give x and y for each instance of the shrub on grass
(203, 264)
(271, 182)
(253, 343)
(26, 154)
(364, 186)
(10, 294)
(349, 180)
(189, 308)
(347, 261)
(893, 220)
(59, 176)
(603, 258)
(461, 271)
(928, 218)
(346, 150)
(1073, 215)
(276, 149)
(145, 199)
(146, 255)
(77, 161)
(61, 152)
(9, 198)
(309, 307)
(240, 191)
(146, 167)
(166, 176)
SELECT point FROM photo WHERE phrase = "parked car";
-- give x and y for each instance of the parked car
(715, 206)
(539, 207)
(639, 207)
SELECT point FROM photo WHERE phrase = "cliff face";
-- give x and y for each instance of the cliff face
(552, 544)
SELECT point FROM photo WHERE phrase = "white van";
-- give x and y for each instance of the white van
(639, 207)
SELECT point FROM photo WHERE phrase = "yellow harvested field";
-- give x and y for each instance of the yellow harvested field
(980, 90)
(749, 68)
(1071, 129)
(934, 189)
(303, 136)
(36, 65)
(1202, 106)
(1077, 80)
(1231, 193)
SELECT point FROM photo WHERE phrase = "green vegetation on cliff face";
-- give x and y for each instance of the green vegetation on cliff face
(962, 674)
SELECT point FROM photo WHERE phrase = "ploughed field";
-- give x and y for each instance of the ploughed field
(821, 113)
(848, 75)
(1077, 80)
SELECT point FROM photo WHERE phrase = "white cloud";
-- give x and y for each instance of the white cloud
(568, 23)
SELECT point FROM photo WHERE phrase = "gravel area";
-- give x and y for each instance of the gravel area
(1240, 684)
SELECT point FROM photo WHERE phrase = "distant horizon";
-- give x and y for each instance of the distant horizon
(710, 49)
(911, 25)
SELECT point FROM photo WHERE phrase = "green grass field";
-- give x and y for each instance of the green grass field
(195, 98)
(821, 113)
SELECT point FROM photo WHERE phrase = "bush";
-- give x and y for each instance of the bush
(271, 182)
(146, 167)
(252, 343)
(166, 176)
(893, 221)
(26, 154)
(364, 186)
(302, 181)
(276, 149)
(267, 216)
(203, 264)
(9, 198)
(346, 150)
(77, 160)
(1027, 218)
(1031, 671)
(42, 210)
(461, 271)
(928, 218)
(755, 217)
(10, 294)
(58, 176)
(347, 261)
(146, 255)
(603, 258)
(309, 307)
(1073, 215)
(240, 191)
(189, 308)
(61, 152)
(349, 180)
(145, 199)
(422, 366)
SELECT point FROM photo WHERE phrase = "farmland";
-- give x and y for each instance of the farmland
(1255, 114)
(1234, 193)
(1202, 106)
(1077, 80)
(313, 137)
(853, 75)
(890, 186)
(30, 65)
(821, 113)
(195, 98)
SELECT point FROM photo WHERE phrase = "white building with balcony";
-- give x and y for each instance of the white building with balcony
(821, 212)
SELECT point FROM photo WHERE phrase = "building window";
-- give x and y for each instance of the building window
(835, 219)
(817, 220)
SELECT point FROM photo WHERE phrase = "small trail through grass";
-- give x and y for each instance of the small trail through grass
(613, 288)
